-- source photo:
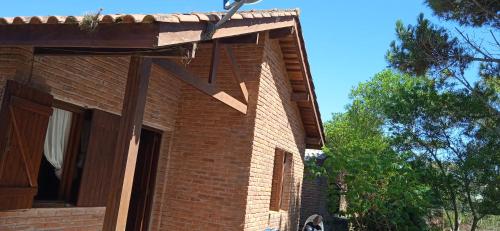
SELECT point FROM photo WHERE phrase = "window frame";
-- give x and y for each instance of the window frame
(281, 158)
(71, 153)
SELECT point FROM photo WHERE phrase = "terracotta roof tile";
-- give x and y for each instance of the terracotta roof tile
(188, 18)
(149, 18)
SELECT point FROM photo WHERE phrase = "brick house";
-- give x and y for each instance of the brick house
(144, 122)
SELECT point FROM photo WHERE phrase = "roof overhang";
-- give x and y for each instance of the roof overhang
(132, 32)
(129, 31)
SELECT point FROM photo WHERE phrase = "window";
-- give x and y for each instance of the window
(54, 154)
(61, 164)
(282, 181)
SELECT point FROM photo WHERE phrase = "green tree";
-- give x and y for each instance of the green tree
(471, 13)
(382, 192)
(449, 120)
(448, 132)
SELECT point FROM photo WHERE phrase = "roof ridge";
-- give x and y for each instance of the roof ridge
(149, 18)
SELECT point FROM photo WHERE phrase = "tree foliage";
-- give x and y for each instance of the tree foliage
(425, 134)
(450, 133)
(467, 12)
(380, 188)
(448, 120)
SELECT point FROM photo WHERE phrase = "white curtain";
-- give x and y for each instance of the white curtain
(56, 139)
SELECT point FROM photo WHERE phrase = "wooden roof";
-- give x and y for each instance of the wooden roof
(153, 31)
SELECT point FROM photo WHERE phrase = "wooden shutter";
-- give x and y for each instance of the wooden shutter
(96, 176)
(24, 118)
(277, 184)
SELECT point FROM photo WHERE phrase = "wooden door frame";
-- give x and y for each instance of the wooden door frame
(153, 171)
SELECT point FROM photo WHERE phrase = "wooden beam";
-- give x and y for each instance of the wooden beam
(198, 83)
(315, 141)
(130, 35)
(299, 97)
(236, 72)
(241, 39)
(177, 51)
(175, 33)
(307, 76)
(127, 144)
(215, 62)
(122, 35)
(282, 32)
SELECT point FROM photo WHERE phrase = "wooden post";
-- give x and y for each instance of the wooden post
(215, 62)
(127, 144)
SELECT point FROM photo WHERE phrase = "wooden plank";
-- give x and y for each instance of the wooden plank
(130, 35)
(4, 191)
(236, 72)
(175, 33)
(281, 33)
(241, 39)
(314, 142)
(299, 97)
(277, 181)
(306, 72)
(121, 35)
(95, 189)
(72, 151)
(30, 106)
(214, 65)
(127, 144)
(24, 117)
(28, 168)
(295, 75)
(176, 51)
(198, 83)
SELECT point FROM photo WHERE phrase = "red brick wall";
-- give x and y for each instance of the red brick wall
(215, 164)
(210, 157)
(53, 219)
(277, 125)
(100, 83)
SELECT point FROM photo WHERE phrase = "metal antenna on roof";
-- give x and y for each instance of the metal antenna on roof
(232, 8)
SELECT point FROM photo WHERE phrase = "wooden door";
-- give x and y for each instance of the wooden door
(144, 181)
(98, 167)
(24, 118)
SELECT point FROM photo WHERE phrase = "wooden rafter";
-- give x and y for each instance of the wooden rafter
(304, 68)
(214, 62)
(129, 35)
(241, 39)
(300, 97)
(236, 72)
(281, 33)
(197, 82)
(172, 33)
(177, 51)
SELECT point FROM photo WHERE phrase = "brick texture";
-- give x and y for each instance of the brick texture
(276, 126)
(215, 166)
(69, 219)
(210, 158)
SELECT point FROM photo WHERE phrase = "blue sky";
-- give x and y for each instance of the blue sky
(346, 40)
